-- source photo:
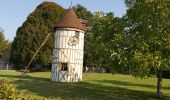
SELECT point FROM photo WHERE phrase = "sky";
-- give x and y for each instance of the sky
(14, 12)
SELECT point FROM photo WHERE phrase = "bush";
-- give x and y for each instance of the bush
(9, 92)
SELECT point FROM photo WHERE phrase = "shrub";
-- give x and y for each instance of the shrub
(9, 92)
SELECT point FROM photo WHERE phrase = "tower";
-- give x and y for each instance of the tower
(67, 61)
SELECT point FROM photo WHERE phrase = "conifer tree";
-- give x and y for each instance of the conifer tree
(33, 32)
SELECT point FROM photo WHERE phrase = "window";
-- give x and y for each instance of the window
(64, 66)
(77, 34)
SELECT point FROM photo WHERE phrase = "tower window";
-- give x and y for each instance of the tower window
(64, 66)
(77, 33)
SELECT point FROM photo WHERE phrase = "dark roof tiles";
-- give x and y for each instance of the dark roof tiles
(70, 20)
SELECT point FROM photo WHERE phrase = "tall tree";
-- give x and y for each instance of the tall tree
(3, 43)
(32, 33)
(105, 33)
(146, 47)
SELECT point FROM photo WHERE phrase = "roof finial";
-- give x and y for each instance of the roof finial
(71, 4)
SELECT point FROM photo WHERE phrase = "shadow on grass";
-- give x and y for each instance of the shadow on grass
(123, 83)
(81, 90)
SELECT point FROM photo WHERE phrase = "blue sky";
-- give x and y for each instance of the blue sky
(15, 12)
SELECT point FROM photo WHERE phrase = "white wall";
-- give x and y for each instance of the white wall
(65, 53)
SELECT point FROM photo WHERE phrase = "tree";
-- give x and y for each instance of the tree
(3, 43)
(146, 47)
(100, 36)
(32, 33)
(82, 12)
(105, 33)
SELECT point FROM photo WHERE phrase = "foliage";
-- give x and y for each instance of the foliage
(9, 92)
(33, 32)
(146, 47)
(95, 86)
(83, 13)
(105, 33)
(3, 43)
(146, 44)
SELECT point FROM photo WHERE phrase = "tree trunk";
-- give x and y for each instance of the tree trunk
(159, 83)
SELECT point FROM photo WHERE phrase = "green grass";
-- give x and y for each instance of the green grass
(95, 86)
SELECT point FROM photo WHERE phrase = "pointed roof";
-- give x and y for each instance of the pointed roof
(70, 20)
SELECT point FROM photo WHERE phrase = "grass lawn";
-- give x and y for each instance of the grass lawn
(96, 86)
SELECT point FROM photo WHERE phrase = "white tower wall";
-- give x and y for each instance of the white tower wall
(70, 56)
